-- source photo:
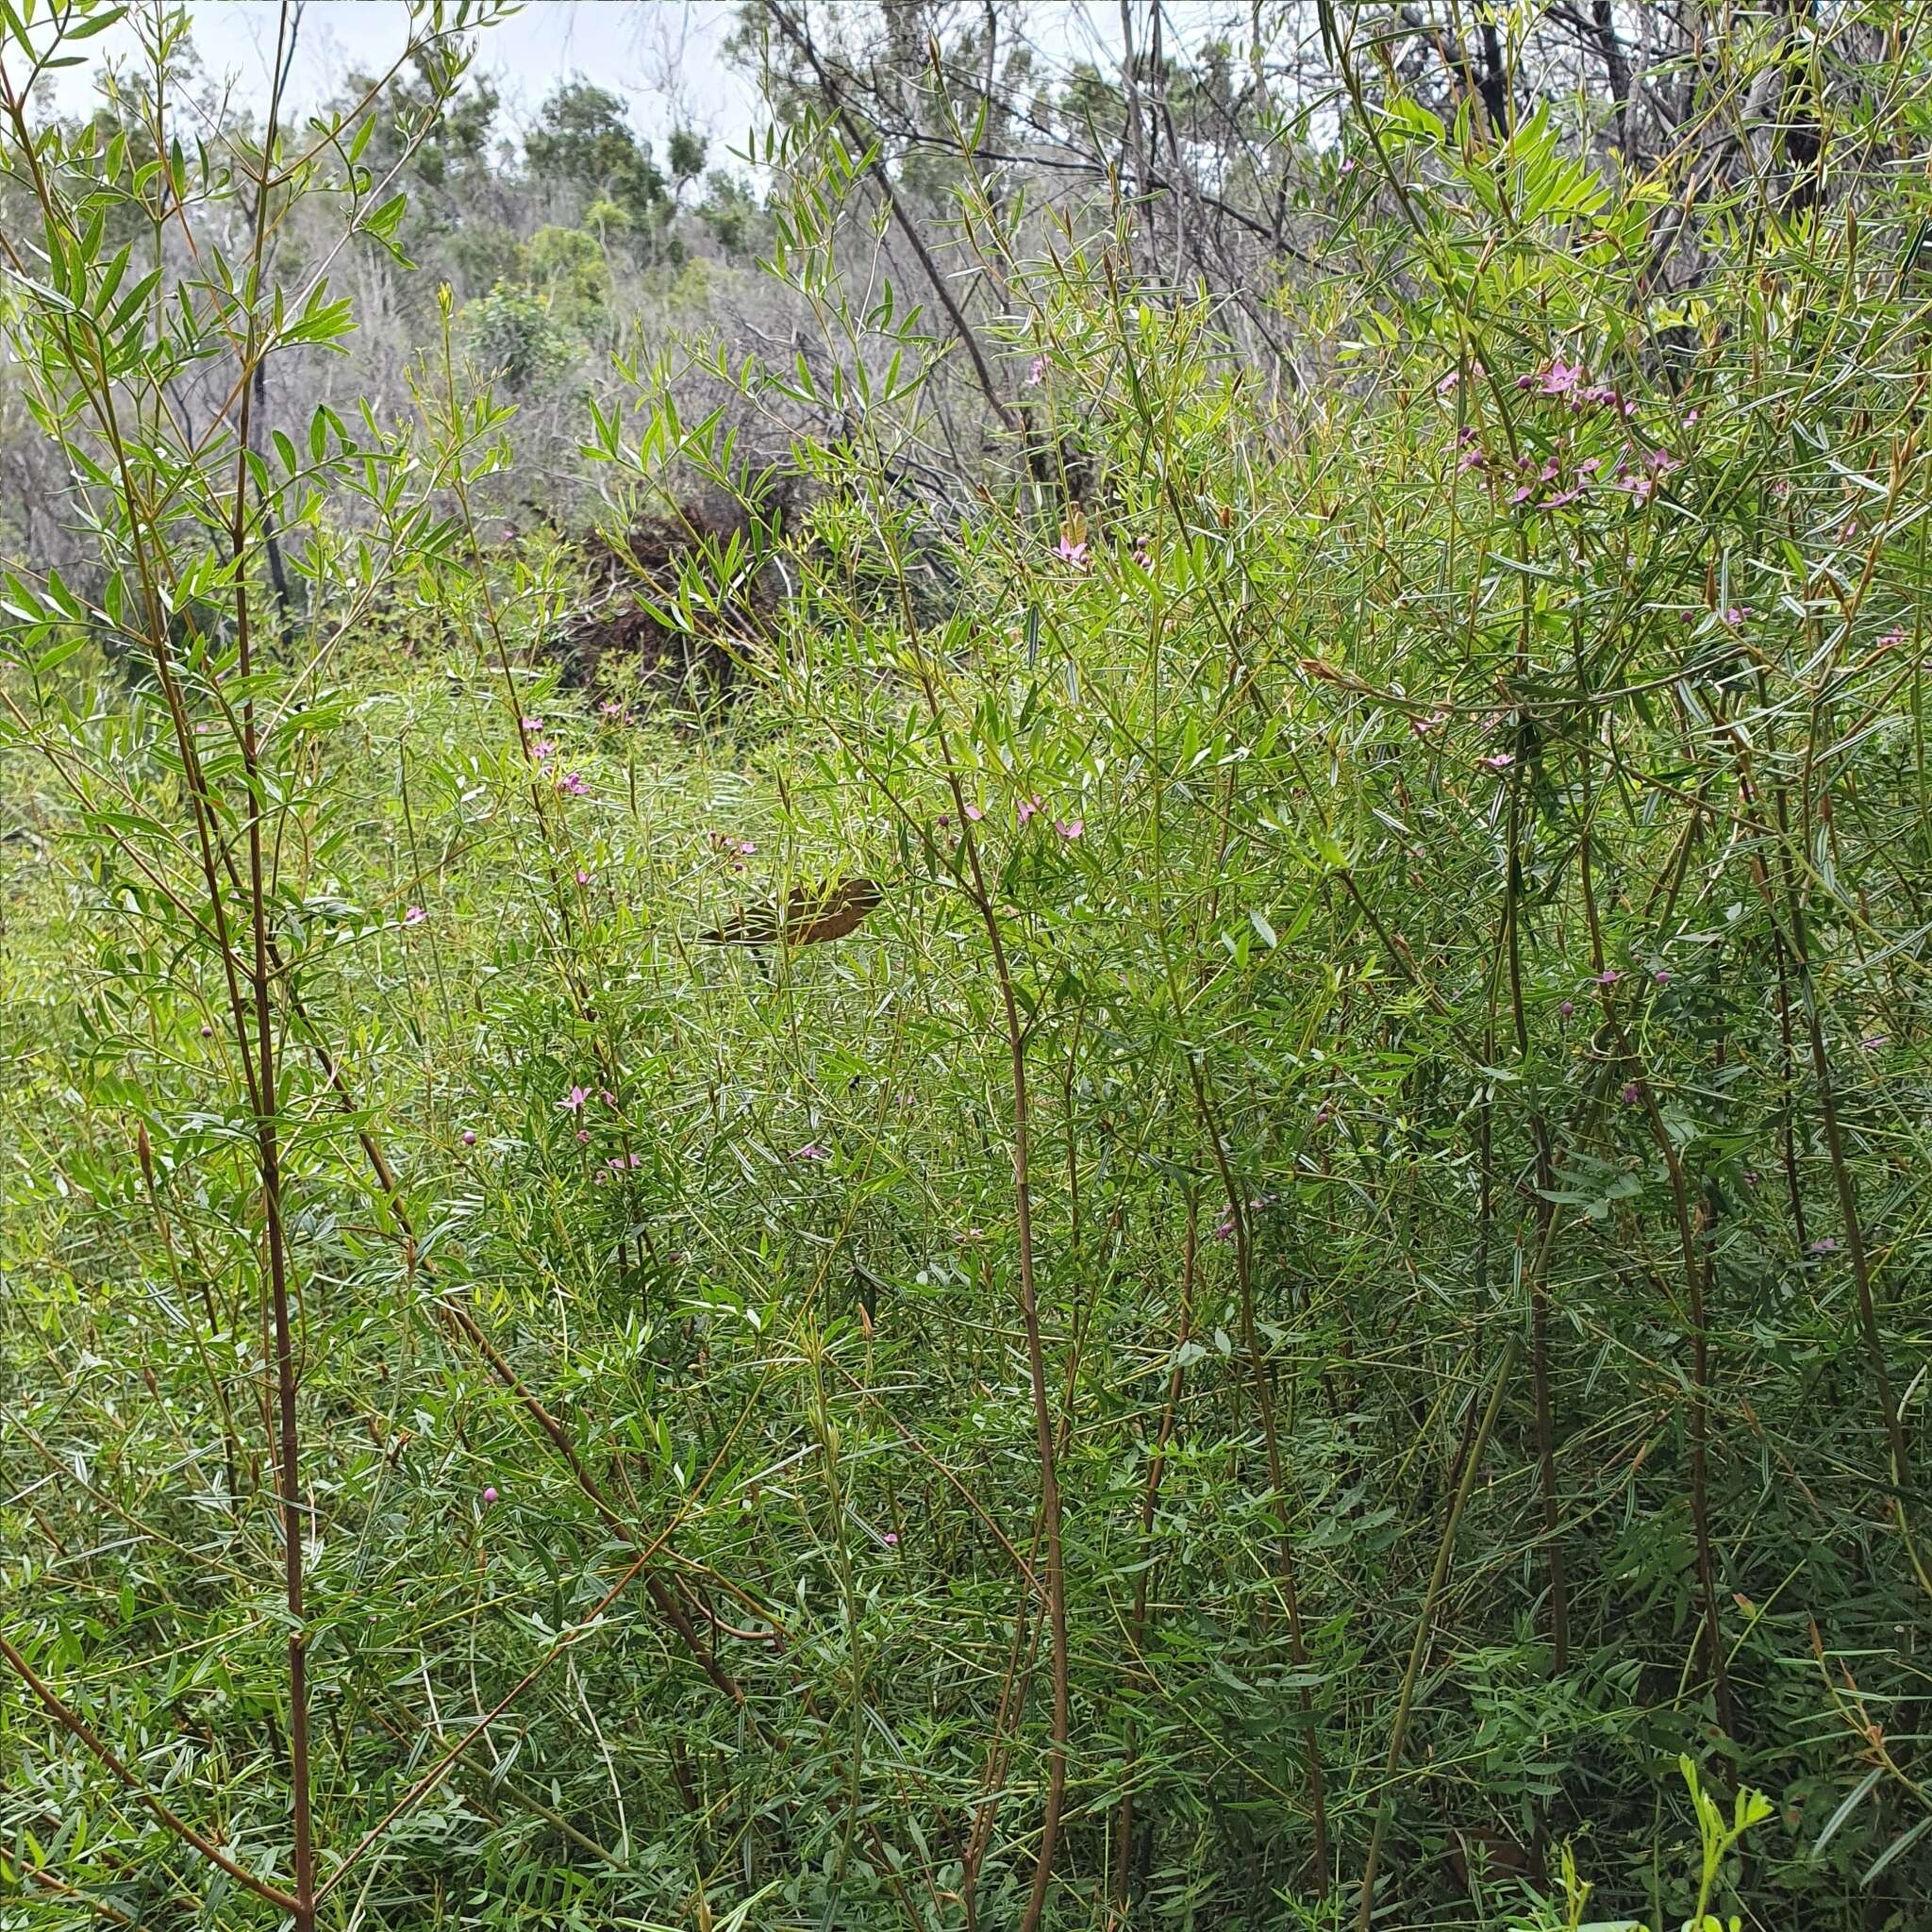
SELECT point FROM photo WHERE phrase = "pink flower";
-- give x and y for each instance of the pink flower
(973, 812)
(583, 877)
(1631, 1094)
(414, 916)
(1070, 829)
(573, 783)
(469, 1137)
(1560, 378)
(611, 708)
(532, 723)
(542, 749)
(1663, 976)
(1609, 977)
(489, 1493)
(1873, 1041)
(1347, 167)
(1027, 808)
(1070, 551)
(1824, 1245)
(1565, 1008)
(892, 1536)
(1037, 373)
(1736, 615)
(583, 1137)
(812, 1150)
(1470, 460)
(1434, 722)
(1447, 387)
(1498, 760)
(572, 1102)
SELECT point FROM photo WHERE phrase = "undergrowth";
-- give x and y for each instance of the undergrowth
(1333, 1282)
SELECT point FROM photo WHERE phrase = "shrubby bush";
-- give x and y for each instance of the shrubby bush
(1315, 1319)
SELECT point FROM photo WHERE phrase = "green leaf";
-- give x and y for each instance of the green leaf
(1846, 1806)
(1896, 1849)
(96, 24)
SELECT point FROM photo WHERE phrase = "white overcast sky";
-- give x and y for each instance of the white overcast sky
(663, 56)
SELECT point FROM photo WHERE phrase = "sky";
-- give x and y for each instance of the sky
(664, 57)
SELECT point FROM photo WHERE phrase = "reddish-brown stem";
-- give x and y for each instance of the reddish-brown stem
(267, 1115)
(1797, 944)
(1538, 1293)
(974, 878)
(71, 1720)
(1043, 1417)
(1688, 1242)
(1150, 1497)
(1264, 1405)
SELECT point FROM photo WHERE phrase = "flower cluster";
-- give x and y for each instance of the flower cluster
(735, 849)
(1555, 480)
(1225, 1228)
(1568, 382)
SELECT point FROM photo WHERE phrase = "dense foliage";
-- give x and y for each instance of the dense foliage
(1318, 1317)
